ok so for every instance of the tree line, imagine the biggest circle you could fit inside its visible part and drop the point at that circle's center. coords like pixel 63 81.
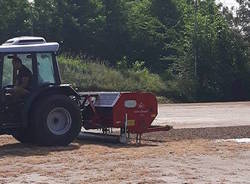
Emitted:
pixel 201 50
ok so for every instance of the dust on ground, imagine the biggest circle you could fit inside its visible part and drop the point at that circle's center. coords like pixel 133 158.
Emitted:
pixel 178 156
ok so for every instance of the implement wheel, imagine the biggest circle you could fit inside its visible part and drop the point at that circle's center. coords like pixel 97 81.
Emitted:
pixel 57 120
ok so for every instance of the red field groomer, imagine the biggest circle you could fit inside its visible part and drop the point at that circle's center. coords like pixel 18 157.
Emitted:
pixel 132 112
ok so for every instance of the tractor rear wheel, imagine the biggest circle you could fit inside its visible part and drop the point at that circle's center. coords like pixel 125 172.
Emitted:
pixel 57 121
pixel 23 135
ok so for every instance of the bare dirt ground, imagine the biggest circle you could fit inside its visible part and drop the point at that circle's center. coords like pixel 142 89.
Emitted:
pixel 199 115
pixel 191 153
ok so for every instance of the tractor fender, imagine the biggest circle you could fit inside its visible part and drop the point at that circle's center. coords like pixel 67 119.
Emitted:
pixel 51 89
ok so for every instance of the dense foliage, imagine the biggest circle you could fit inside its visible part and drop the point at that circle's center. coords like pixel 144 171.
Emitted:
pixel 89 75
pixel 200 51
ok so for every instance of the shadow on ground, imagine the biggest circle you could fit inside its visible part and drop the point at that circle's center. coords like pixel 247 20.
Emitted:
pixel 200 133
pixel 108 140
pixel 172 135
pixel 148 140
pixel 25 150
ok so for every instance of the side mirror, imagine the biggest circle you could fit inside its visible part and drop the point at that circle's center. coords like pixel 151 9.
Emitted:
pixel 61 45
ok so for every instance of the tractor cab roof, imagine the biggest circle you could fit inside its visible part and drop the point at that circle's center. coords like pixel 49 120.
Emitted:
pixel 28 44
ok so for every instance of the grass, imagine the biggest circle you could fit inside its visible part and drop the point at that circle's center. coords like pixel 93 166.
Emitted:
pixel 89 75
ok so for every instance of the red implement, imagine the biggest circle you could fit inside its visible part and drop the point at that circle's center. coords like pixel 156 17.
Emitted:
pixel 132 111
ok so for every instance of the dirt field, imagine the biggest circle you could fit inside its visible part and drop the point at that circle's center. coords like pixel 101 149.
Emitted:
pixel 204 114
pixel 194 152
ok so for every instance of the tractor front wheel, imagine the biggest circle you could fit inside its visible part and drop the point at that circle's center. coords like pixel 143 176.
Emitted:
pixel 57 121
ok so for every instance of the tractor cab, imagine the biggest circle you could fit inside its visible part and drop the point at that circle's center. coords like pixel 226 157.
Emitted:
pixel 36 55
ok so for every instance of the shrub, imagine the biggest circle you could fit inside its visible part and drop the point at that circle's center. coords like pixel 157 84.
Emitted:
pixel 89 75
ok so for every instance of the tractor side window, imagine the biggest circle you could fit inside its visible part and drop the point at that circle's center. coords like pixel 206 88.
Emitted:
pixel 9 75
pixel 7 71
pixel 45 68
pixel 26 60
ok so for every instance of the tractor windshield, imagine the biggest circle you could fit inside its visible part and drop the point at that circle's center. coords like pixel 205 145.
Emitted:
pixel 45 68
pixel 9 73
pixel 40 65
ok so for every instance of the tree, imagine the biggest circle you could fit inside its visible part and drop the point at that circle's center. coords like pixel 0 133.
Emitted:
pixel 168 37
pixel 15 18
pixel 85 20
pixel 221 60
pixel 46 19
pixel 115 31
pixel 242 19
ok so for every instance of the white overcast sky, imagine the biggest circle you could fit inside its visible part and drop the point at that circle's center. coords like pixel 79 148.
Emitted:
pixel 228 3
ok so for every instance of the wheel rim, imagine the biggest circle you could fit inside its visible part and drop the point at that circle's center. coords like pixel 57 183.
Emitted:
pixel 59 121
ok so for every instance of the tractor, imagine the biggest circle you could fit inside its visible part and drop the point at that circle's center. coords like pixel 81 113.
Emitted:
pixel 52 113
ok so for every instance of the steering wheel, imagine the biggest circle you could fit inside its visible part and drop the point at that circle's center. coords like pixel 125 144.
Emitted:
pixel 5 92
pixel 8 87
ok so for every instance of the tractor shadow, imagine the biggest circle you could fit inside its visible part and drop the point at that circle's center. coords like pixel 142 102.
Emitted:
pixel 13 148
pixel 26 150
pixel 112 141
pixel 148 140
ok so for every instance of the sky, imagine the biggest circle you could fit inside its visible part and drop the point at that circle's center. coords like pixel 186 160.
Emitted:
pixel 228 3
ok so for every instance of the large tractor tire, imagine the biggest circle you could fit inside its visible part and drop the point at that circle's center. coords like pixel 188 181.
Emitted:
pixel 24 136
pixel 57 121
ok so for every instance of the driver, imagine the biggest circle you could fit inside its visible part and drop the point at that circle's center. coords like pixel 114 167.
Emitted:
pixel 22 77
